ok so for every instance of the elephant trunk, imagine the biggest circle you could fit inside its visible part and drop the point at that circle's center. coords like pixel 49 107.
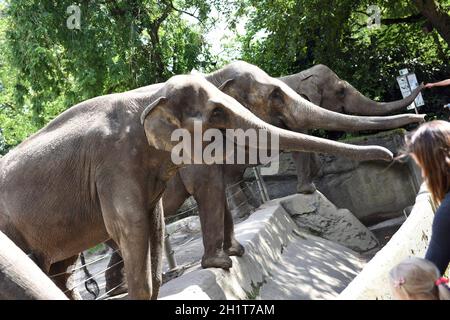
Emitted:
pixel 293 141
pixel 367 107
pixel 310 116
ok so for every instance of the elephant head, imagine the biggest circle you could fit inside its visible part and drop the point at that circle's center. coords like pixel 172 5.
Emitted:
pixel 275 102
pixel 185 99
pixel 323 87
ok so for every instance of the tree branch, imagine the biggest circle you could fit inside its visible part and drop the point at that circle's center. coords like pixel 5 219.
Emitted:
pixel 411 19
pixel 389 21
pixel 185 12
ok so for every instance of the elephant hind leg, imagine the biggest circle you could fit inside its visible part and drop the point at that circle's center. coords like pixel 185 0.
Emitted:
pixel 115 275
pixel 307 165
pixel 211 214
pixel 157 233
pixel 60 276
pixel 231 246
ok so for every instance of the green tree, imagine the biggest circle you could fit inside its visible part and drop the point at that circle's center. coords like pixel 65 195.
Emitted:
pixel 284 37
pixel 47 67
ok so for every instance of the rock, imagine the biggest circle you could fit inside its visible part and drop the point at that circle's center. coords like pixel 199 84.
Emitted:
pixel 21 278
pixel 280 262
pixel 316 214
pixel 372 190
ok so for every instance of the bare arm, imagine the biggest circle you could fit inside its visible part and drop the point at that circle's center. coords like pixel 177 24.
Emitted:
pixel 442 83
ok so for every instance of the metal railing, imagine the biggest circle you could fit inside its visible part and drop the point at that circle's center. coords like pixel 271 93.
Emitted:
pixel 169 252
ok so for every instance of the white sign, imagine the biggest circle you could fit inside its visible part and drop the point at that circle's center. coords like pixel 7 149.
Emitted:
pixel 407 83
pixel 413 84
pixel 404 72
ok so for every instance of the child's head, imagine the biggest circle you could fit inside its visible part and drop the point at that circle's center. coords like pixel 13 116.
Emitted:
pixel 418 279
pixel 430 147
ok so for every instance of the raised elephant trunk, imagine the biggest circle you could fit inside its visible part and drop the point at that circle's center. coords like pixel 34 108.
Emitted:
pixel 367 107
pixel 292 141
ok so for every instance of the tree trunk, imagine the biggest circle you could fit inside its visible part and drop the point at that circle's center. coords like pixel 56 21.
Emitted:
pixel 438 18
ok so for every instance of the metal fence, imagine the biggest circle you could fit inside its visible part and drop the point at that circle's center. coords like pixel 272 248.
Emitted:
pixel 91 286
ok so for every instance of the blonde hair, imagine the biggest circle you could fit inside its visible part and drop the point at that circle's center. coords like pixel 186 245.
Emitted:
pixel 430 144
pixel 415 276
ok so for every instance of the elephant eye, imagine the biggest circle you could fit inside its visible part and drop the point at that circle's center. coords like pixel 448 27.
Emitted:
pixel 341 92
pixel 277 95
pixel 217 114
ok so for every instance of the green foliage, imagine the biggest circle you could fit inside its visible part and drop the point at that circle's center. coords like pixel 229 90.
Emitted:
pixel 285 37
pixel 121 45
pixel 46 67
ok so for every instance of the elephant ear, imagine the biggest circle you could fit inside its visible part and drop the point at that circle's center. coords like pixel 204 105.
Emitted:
pixel 159 122
pixel 150 107
pixel 225 85
pixel 309 88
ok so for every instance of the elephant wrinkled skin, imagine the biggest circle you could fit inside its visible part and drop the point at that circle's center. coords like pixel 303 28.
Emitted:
pixel 320 85
pixel 276 103
pixel 99 169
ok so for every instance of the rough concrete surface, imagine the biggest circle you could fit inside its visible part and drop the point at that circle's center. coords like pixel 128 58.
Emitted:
pixel 320 217
pixel 282 261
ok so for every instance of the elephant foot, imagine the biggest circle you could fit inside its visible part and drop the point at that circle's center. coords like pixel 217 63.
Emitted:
pixel 236 249
pixel 306 188
pixel 219 261
pixel 74 295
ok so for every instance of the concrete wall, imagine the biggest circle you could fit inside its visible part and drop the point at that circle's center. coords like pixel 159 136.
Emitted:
pixel 410 240
pixel 372 190
pixel 282 259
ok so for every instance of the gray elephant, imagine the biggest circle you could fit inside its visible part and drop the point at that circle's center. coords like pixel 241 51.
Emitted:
pixel 324 88
pixel 273 101
pixel 98 171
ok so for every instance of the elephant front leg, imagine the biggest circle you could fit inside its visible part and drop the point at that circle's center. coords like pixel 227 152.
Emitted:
pixel 231 246
pixel 63 278
pixel 128 223
pixel 211 202
pixel 307 168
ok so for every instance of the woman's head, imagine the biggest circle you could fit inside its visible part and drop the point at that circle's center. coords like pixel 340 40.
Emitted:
pixel 430 147
pixel 417 279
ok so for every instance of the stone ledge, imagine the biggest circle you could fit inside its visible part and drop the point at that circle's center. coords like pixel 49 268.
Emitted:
pixel 410 240
pixel 263 235
pixel 278 254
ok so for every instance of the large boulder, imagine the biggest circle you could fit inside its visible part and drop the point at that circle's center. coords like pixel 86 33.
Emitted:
pixel 372 190
pixel 283 259
pixel 316 214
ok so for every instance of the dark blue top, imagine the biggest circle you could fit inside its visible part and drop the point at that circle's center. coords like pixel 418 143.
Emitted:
pixel 439 250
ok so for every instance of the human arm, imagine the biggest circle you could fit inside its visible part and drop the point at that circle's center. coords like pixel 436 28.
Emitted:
pixel 442 83
pixel 439 248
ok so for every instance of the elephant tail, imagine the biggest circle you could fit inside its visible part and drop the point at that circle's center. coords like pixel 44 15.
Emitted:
pixel 90 284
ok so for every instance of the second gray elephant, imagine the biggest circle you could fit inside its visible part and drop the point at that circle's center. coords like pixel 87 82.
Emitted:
pixel 274 102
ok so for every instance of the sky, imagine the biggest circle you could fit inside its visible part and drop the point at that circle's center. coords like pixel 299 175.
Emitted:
pixel 219 35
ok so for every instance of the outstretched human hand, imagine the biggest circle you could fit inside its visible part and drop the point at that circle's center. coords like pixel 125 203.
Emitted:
pixel 442 83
